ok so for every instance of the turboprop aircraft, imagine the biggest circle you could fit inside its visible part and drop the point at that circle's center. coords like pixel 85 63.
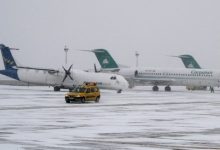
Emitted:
pixel 156 76
pixel 66 78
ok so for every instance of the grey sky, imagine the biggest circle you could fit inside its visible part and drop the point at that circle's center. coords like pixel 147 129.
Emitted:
pixel 155 28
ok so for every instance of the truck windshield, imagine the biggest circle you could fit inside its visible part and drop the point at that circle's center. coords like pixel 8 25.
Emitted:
pixel 79 89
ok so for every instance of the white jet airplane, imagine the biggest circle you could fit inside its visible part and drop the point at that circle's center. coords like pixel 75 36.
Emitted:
pixel 65 78
pixel 157 76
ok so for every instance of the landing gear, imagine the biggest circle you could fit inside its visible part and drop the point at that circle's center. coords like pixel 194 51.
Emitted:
pixel 155 88
pixel 56 88
pixel 167 88
pixel 119 91
pixel 97 99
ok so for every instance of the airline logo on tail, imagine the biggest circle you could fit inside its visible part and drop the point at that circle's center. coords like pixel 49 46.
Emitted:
pixel 189 61
pixel 105 61
pixel 8 61
pixel 7 57
pixel 190 65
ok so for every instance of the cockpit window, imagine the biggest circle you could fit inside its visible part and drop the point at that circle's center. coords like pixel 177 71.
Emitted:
pixel 94 89
pixel 113 78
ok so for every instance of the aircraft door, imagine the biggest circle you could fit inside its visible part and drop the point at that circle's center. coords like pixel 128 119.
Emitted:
pixel 135 73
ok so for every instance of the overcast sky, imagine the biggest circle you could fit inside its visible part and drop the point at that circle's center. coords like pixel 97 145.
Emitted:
pixel 154 28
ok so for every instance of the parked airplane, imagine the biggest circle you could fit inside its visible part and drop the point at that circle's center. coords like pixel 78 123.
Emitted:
pixel 156 77
pixel 65 78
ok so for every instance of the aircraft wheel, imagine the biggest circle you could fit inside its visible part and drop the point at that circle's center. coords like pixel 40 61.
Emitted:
pixel 155 88
pixel 83 100
pixel 56 88
pixel 167 88
pixel 119 91
pixel 67 100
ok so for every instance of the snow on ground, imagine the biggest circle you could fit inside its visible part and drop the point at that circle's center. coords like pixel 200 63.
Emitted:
pixel 38 118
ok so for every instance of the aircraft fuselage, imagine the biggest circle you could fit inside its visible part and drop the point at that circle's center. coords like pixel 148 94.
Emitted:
pixel 176 77
pixel 41 77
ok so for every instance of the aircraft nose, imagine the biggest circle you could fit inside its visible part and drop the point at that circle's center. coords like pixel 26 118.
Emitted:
pixel 124 83
pixel 120 83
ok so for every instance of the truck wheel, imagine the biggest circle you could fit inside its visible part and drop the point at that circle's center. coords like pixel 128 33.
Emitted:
pixel 83 100
pixel 97 99
pixel 155 88
pixel 67 100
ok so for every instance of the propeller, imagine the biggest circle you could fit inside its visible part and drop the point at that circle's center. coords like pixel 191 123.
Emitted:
pixel 67 73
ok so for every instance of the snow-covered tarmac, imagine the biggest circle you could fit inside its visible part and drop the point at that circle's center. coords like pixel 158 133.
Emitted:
pixel 38 118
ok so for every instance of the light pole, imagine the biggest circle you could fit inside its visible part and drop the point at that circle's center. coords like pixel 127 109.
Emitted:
pixel 66 50
pixel 137 55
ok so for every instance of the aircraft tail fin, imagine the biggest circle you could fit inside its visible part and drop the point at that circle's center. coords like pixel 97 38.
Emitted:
pixel 105 59
pixel 7 57
pixel 189 61
pixel 9 63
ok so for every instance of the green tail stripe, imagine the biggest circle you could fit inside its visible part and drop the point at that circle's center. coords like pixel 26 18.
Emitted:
pixel 105 59
pixel 189 61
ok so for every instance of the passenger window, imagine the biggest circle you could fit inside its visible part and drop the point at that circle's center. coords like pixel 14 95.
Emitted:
pixel 96 90
pixel 88 90
pixel 92 89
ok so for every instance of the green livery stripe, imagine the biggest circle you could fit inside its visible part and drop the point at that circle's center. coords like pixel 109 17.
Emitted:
pixel 189 61
pixel 105 59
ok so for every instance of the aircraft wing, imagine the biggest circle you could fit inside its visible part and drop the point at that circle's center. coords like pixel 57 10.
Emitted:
pixel 122 66
pixel 52 71
pixel 110 70
pixel 153 81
